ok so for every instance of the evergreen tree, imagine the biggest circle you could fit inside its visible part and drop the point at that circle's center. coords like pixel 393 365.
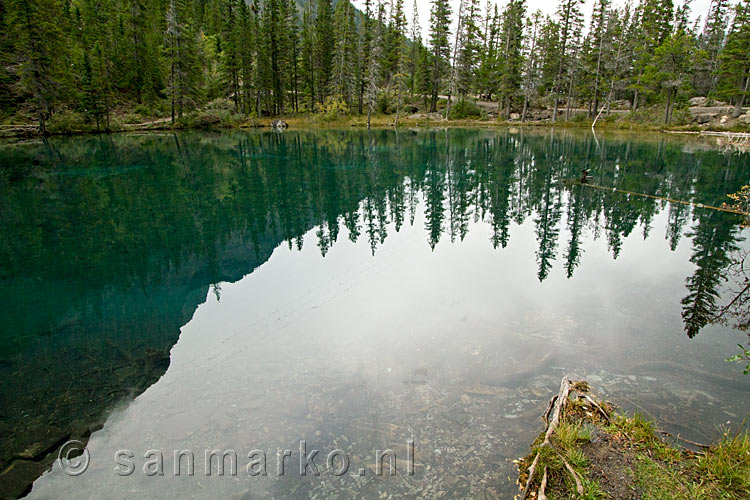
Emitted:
pixel 373 71
pixel 414 49
pixel 439 45
pixel 307 49
pixel 532 66
pixel 344 63
pixel 38 43
pixel 710 43
pixel 398 46
pixel 142 73
pixel 470 49
pixel 324 45
pixel 246 40
pixel 734 62
pixel 570 19
pixel 511 53
pixel 667 73
pixel 596 54
pixel 184 83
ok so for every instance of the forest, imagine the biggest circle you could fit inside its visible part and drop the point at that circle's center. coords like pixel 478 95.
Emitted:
pixel 104 62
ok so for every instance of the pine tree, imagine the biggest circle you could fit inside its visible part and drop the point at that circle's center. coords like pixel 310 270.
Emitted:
pixel 710 43
pixel 439 45
pixel 470 49
pixel 184 83
pixel 142 71
pixel 247 36
pixel 667 73
pixel 398 33
pixel 595 56
pixel 38 43
pixel 653 23
pixel 570 16
pixel 308 66
pixel 373 71
pixel 734 62
pixel 532 66
pixel 416 42
pixel 231 63
pixel 511 37
pixel 487 74
pixel 324 45
pixel 364 43
pixel 344 63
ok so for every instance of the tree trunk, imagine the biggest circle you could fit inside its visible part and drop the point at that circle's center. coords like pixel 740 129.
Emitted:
pixel 525 107
pixel 398 108
pixel 554 112
pixel 740 99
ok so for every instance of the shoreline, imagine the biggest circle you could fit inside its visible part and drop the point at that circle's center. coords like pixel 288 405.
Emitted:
pixel 590 450
pixel 19 134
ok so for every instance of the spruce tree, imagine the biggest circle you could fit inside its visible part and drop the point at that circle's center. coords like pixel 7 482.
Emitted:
pixel 734 62
pixel 38 44
pixel 570 19
pixel 416 43
pixel 184 82
pixel 439 46
pixel 373 71
pixel 324 46
pixel 511 53
pixel 342 82
pixel 710 43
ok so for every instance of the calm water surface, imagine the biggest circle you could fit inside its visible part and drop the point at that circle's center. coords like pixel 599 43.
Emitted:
pixel 355 290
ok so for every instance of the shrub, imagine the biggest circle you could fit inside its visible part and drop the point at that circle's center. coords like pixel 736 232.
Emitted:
pixel 331 109
pixel 67 121
pixel 132 118
pixel 385 103
pixel 465 109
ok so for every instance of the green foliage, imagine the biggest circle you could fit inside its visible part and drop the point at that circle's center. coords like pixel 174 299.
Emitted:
pixel 66 122
pixel 728 464
pixel 100 57
pixel 332 108
pixel 464 109
pixel 742 357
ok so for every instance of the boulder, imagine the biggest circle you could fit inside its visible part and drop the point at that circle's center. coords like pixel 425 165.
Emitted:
pixel 620 104
pixel 279 125
pixel 745 119
pixel 515 116
pixel 698 101
pixel 704 118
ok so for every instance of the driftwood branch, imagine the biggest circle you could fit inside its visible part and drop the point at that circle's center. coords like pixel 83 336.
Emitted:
pixel 699 445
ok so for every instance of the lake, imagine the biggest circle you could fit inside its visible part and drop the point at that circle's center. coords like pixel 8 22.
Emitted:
pixel 409 298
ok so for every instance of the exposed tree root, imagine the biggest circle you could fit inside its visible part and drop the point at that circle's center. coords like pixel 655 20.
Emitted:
pixel 579 485
pixel 556 407
pixel 541 495
pixel 532 469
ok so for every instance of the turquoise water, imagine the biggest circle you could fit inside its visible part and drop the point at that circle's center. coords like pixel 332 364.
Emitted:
pixel 356 290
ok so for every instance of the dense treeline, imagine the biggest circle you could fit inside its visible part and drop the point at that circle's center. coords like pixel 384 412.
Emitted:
pixel 273 57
